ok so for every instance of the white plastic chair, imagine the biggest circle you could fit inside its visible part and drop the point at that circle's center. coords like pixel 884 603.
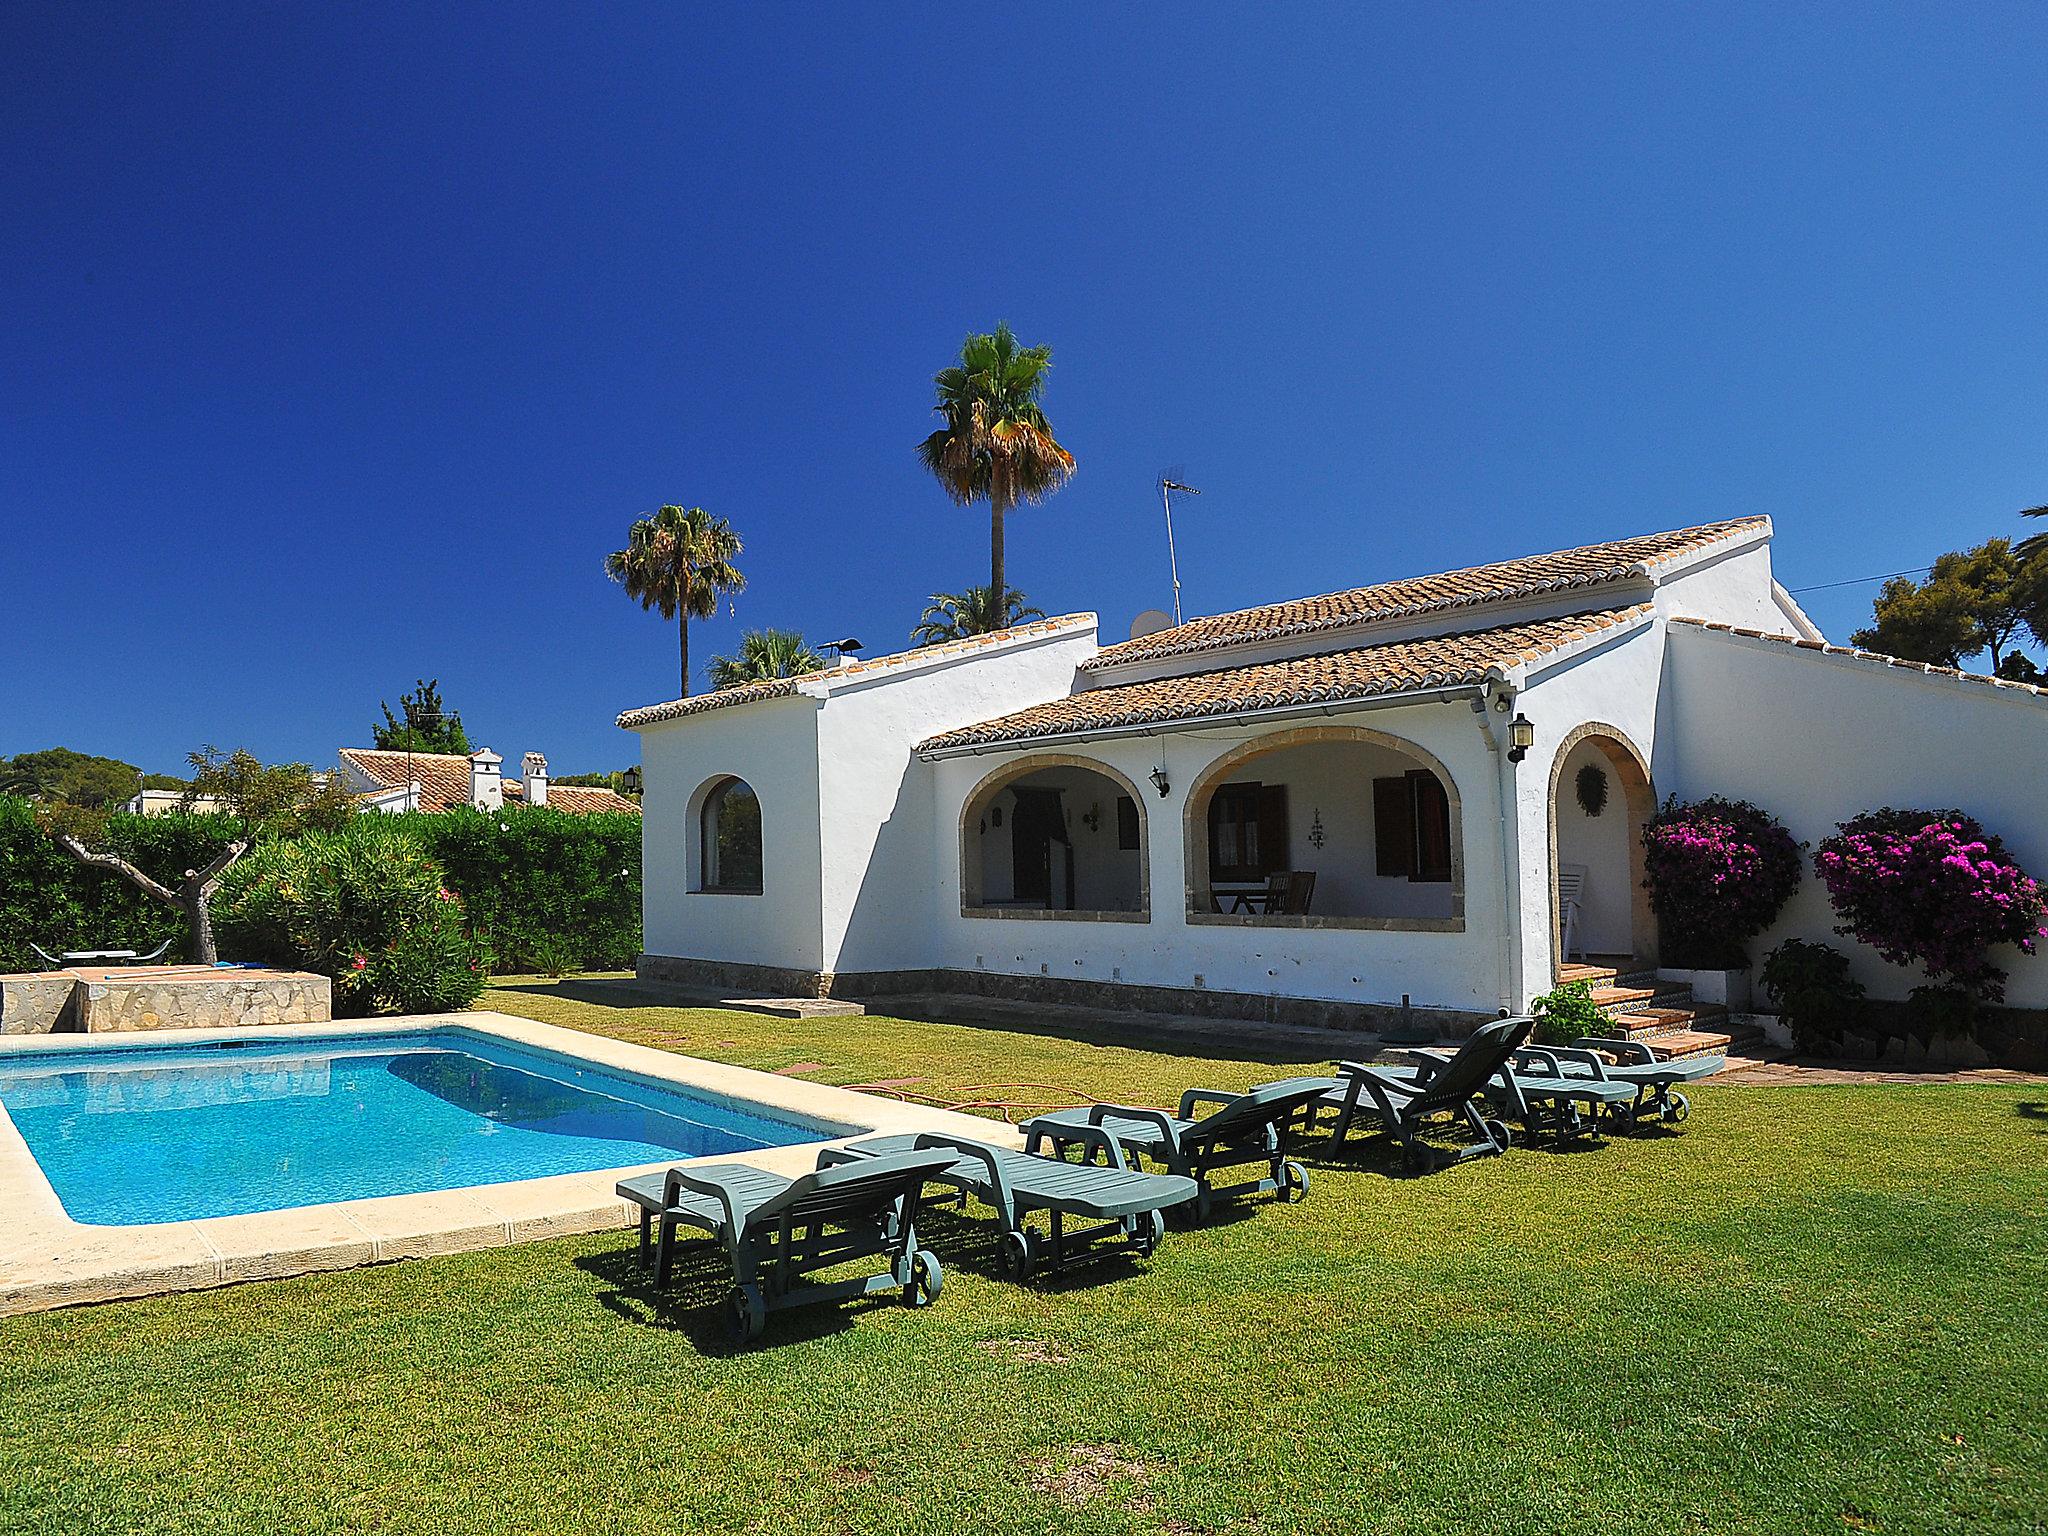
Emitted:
pixel 1571 889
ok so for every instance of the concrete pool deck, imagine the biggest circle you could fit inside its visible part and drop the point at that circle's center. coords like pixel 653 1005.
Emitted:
pixel 47 1260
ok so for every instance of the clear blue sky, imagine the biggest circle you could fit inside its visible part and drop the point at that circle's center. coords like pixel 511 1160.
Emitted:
pixel 339 343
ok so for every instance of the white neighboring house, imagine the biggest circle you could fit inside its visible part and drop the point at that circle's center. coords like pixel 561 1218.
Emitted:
pixel 439 781
pixel 1039 816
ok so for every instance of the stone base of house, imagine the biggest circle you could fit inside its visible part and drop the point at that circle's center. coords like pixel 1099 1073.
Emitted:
pixel 93 1000
pixel 1058 992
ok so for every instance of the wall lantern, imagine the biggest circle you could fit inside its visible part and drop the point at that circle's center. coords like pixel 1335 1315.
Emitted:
pixel 1160 782
pixel 630 780
pixel 1521 737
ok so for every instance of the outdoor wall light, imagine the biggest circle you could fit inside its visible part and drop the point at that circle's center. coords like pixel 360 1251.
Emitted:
pixel 630 779
pixel 1160 782
pixel 1521 737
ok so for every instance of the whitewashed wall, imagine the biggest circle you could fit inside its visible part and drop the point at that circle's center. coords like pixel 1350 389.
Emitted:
pixel 773 745
pixel 1601 844
pixel 1815 739
pixel 877 795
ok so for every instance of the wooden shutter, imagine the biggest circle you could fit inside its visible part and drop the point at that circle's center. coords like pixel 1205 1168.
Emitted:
pixel 1432 826
pixel 1272 814
pixel 1126 822
pixel 1393 827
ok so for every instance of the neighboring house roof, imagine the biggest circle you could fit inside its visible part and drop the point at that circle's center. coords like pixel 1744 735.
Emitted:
pixel 1875 658
pixel 1590 566
pixel 444 782
pixel 784 687
pixel 1402 666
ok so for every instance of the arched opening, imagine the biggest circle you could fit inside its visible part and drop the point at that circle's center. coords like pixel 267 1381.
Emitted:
pixel 729 838
pixel 1327 826
pixel 1600 800
pixel 1055 836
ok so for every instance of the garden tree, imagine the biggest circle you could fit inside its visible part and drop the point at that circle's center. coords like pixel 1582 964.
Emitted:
pixel 273 802
pixel 1972 601
pixel 996 445
pixel 75 778
pixel 679 562
pixel 956 615
pixel 765 654
pixel 614 781
pixel 427 726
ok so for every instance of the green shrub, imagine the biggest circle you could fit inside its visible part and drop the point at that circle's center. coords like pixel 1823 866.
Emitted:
pixel 1817 998
pixel 366 907
pixel 1567 1014
pixel 548 890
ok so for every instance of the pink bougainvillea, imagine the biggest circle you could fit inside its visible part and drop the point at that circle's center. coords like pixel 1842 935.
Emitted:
pixel 1719 872
pixel 1933 889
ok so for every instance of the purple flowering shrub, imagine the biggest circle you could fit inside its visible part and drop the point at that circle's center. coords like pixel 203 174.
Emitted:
pixel 1933 889
pixel 1719 871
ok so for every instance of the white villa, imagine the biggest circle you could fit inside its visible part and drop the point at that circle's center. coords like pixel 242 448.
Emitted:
pixel 1310 810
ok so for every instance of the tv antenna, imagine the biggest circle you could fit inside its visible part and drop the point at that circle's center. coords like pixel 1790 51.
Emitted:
pixel 1169 482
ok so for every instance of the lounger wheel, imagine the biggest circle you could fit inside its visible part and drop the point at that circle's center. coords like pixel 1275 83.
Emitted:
pixel 925 1279
pixel 1290 1181
pixel 746 1310
pixel 1501 1134
pixel 1679 1107
pixel 1148 1231
pixel 1018 1255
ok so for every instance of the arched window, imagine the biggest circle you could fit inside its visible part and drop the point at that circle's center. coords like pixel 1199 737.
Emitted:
pixel 1054 836
pixel 730 837
pixel 1330 826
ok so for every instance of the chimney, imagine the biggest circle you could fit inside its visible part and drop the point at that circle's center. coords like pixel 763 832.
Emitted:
pixel 486 789
pixel 533 772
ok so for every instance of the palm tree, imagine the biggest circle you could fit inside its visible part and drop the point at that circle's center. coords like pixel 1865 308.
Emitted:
pixel 996 445
pixel 956 615
pixel 2033 544
pixel 679 561
pixel 765 654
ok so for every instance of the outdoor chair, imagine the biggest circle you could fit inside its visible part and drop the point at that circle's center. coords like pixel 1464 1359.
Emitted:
pixel 1125 1206
pixel 1571 892
pixel 1287 890
pixel 1634 1064
pixel 1240 1129
pixel 100 956
pixel 1533 1091
pixel 1405 1102
pixel 776 1230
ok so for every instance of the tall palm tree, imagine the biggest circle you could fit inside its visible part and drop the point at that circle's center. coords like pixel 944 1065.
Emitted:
pixel 956 615
pixel 679 561
pixel 2036 543
pixel 765 654
pixel 996 445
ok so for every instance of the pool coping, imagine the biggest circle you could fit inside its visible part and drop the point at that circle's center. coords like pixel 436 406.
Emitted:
pixel 47 1260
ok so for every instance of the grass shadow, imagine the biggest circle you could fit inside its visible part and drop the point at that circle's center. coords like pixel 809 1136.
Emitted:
pixel 694 1302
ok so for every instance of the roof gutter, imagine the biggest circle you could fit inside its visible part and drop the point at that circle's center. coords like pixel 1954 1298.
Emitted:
pixel 1195 722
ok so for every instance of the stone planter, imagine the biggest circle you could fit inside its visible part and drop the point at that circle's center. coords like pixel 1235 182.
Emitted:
pixel 1728 988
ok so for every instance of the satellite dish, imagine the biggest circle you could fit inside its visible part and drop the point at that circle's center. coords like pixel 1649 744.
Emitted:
pixel 1150 622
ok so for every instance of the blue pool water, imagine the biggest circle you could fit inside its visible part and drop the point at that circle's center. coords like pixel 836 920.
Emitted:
pixel 173 1133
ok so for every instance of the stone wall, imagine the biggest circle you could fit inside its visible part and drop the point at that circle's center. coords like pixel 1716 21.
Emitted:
pixel 159 997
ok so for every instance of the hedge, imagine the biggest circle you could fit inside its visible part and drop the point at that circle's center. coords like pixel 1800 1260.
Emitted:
pixel 544 889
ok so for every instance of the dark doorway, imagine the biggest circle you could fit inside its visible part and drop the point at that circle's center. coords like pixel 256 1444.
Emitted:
pixel 1037 823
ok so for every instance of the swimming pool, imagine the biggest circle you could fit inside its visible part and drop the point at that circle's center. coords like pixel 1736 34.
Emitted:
pixel 179 1132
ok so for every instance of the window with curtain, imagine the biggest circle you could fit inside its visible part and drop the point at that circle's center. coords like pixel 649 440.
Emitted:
pixel 732 839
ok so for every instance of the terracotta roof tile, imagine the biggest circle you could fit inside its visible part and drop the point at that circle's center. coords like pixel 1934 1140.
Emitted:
pixel 783 687
pixel 1592 565
pixel 444 782
pixel 1404 666
pixel 1876 657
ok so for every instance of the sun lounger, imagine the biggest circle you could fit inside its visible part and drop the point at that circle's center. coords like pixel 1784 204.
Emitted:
pixel 1632 1062
pixel 1406 1101
pixel 775 1230
pixel 1124 1204
pixel 1532 1090
pixel 1239 1129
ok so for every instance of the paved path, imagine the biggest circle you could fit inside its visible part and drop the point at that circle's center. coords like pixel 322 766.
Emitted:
pixel 1773 1071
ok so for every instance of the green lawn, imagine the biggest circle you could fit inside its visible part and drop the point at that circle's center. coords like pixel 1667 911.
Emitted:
pixel 1817 1309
